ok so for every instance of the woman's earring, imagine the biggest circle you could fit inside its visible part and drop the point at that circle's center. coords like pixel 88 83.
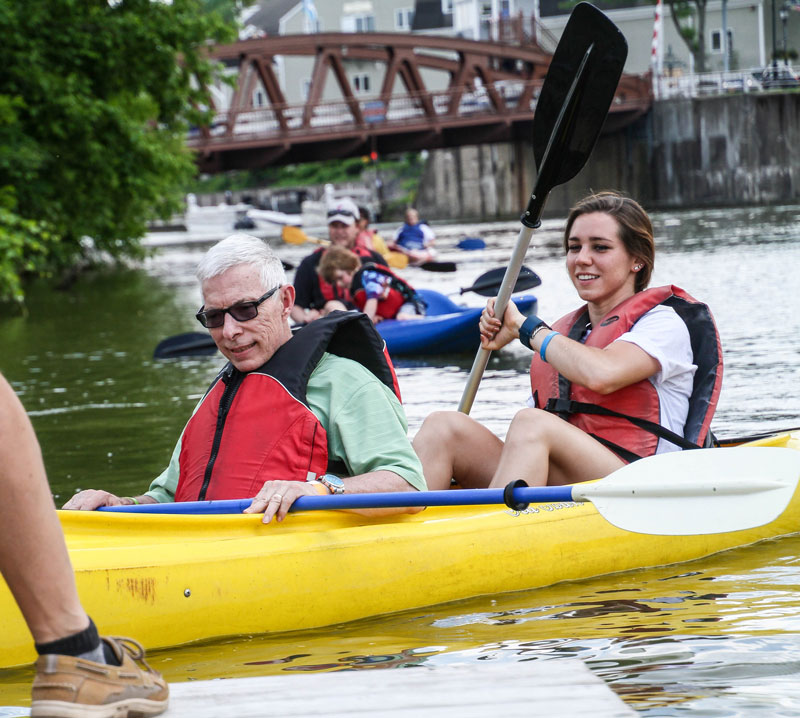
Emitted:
pixel 637 267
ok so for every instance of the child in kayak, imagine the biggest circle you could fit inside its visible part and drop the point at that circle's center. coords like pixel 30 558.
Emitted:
pixel 376 290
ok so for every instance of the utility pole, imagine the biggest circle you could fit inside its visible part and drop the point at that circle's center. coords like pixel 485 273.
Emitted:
pixel 784 18
pixel 726 48
pixel 774 47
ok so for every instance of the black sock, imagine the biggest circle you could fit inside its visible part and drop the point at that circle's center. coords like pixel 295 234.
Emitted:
pixel 84 644
pixel 85 641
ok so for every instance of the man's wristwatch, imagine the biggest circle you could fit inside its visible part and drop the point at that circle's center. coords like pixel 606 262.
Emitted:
pixel 529 327
pixel 331 482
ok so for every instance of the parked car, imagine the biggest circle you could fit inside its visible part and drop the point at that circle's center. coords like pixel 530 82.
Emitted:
pixel 778 76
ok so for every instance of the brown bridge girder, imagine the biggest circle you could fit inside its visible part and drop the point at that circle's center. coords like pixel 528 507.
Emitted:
pixel 490 97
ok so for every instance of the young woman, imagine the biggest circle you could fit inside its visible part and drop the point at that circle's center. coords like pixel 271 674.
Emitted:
pixel 631 373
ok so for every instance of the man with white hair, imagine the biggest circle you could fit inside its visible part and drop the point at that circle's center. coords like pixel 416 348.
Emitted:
pixel 315 412
pixel 315 297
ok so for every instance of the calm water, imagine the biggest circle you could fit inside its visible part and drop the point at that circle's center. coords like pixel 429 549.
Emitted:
pixel 715 638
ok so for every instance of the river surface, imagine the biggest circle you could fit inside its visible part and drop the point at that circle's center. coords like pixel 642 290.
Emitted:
pixel 717 637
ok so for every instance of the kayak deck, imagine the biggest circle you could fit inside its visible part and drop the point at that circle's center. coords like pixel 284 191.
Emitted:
pixel 172 579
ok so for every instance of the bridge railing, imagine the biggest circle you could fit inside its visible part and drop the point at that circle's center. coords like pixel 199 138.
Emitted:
pixel 437 107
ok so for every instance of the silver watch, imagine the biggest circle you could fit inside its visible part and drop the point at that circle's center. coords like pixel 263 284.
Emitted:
pixel 331 482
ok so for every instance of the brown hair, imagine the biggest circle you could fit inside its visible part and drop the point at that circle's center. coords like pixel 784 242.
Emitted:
pixel 335 258
pixel 635 228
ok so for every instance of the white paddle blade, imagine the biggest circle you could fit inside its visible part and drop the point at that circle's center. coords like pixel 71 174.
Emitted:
pixel 703 491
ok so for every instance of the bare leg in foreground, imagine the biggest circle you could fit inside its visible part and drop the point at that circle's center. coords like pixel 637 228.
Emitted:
pixel 33 556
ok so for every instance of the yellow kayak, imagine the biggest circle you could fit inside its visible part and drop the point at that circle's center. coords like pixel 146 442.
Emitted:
pixel 172 579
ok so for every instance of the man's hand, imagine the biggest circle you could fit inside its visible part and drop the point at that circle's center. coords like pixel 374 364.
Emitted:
pixel 90 499
pixel 276 497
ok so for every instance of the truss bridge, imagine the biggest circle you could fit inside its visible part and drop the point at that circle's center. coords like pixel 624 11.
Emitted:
pixel 433 92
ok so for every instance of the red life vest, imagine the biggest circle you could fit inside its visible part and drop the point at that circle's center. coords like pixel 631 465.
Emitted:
pixel 334 291
pixel 399 293
pixel 626 421
pixel 255 426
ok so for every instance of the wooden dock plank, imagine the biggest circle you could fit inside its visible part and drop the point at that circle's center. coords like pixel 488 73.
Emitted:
pixel 563 687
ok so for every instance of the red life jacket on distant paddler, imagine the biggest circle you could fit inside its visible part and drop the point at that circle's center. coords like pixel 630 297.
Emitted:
pixel 626 421
pixel 255 426
pixel 400 292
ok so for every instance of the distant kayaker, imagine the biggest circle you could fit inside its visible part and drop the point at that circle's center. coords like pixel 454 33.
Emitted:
pixel 78 672
pixel 633 372
pixel 376 290
pixel 314 412
pixel 315 297
pixel 414 239
pixel 365 239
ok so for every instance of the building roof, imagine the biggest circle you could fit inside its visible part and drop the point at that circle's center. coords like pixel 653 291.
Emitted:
pixel 270 13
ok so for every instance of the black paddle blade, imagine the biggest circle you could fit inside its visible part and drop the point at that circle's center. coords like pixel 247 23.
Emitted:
pixel 191 344
pixel 574 101
pixel 438 266
pixel 488 284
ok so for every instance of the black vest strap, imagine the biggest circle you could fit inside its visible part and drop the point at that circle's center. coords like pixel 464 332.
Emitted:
pixel 346 334
pixel 576 332
pixel 567 407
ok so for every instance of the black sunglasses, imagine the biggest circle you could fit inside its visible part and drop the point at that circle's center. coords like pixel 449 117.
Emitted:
pixel 241 311
pixel 345 212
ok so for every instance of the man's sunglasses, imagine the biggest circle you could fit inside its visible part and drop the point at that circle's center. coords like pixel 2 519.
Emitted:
pixel 241 311
pixel 344 212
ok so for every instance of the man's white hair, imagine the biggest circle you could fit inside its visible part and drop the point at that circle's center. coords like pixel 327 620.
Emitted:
pixel 239 249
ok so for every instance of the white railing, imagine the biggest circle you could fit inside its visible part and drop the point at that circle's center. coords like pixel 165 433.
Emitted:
pixel 724 83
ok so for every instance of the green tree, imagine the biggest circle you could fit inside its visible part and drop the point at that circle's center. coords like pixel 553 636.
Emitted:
pixel 96 97
pixel 689 18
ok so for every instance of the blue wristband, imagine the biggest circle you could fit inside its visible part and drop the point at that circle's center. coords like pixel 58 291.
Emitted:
pixel 527 329
pixel 543 348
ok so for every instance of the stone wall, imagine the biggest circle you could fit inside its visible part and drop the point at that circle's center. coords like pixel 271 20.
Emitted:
pixel 689 152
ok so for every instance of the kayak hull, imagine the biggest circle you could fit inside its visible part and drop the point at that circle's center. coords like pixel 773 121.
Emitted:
pixel 172 579
pixel 446 328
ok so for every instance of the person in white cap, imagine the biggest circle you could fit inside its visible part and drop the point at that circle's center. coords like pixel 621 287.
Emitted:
pixel 314 297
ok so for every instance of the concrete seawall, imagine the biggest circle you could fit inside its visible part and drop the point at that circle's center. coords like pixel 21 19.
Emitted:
pixel 728 150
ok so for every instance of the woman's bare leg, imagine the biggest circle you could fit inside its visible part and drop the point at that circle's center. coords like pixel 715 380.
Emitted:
pixel 541 448
pixel 452 445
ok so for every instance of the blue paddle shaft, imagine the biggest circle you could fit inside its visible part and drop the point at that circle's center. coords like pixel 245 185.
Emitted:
pixel 460 497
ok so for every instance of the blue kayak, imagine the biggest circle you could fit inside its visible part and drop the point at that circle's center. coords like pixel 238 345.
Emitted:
pixel 446 328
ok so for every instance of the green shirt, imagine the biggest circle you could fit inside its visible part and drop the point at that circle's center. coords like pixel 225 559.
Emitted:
pixel 365 423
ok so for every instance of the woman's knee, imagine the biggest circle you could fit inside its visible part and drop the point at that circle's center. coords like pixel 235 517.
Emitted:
pixel 529 421
pixel 442 425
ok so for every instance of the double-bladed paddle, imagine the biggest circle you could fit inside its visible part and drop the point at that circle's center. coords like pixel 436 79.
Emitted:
pixel 570 112
pixel 680 493
pixel 198 344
